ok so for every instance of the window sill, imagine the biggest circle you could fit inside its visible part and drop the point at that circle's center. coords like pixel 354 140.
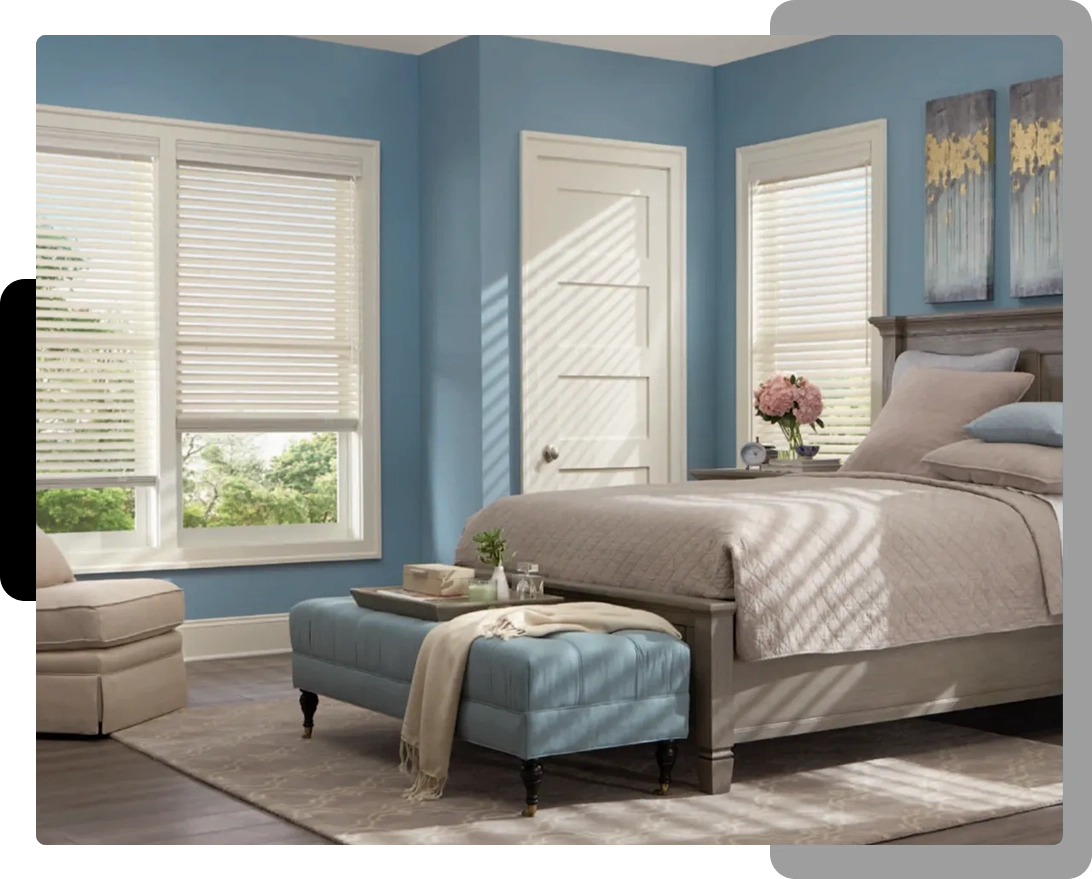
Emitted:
pixel 124 561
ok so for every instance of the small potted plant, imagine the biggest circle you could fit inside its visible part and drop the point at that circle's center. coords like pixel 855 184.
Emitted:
pixel 492 550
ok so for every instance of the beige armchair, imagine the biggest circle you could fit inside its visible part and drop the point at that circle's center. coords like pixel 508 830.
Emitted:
pixel 109 651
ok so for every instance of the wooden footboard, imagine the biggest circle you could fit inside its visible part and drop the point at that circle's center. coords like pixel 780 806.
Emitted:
pixel 708 626
pixel 731 699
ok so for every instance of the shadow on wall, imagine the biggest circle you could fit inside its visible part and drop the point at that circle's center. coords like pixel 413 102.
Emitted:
pixel 499 396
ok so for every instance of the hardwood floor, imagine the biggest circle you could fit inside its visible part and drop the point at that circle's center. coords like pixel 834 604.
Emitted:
pixel 97 791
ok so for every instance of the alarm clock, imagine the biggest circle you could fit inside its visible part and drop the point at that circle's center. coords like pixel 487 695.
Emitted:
pixel 755 454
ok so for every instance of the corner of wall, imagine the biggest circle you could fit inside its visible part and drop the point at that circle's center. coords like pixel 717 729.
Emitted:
pixel 450 293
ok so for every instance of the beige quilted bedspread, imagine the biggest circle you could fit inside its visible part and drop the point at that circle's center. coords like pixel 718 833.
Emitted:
pixel 817 564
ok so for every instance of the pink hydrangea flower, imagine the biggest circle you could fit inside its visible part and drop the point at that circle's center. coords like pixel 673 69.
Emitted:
pixel 808 401
pixel 775 396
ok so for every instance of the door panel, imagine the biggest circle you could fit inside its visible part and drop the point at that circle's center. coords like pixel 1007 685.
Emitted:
pixel 596 312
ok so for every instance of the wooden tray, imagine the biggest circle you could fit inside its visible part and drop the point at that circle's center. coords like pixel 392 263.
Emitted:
pixel 394 599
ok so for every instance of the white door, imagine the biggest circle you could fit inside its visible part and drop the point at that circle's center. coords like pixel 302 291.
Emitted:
pixel 603 313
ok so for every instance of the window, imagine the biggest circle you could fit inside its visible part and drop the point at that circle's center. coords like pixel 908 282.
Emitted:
pixel 810 272
pixel 207 343
pixel 96 346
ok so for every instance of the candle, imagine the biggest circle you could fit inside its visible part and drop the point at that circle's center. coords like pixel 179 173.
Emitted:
pixel 481 590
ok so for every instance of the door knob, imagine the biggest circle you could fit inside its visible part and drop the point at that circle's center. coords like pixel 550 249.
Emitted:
pixel 550 453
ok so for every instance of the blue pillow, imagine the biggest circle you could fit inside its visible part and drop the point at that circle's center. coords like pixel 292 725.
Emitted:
pixel 1037 423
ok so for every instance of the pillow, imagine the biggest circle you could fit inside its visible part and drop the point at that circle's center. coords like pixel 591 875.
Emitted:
pixel 1025 466
pixel 1001 360
pixel 50 568
pixel 1037 423
pixel 928 410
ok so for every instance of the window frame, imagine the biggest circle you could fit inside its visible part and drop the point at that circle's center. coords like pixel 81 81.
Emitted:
pixel 210 539
pixel 802 155
pixel 77 544
pixel 358 533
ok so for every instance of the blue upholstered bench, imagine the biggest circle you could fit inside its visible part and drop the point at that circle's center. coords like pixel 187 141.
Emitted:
pixel 528 697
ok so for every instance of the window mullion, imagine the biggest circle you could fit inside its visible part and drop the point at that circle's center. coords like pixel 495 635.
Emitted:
pixel 169 494
pixel 347 443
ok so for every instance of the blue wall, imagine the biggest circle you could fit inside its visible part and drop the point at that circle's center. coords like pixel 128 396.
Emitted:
pixel 295 85
pixel 842 80
pixel 472 416
pixel 535 86
pixel 449 123
pixel 451 283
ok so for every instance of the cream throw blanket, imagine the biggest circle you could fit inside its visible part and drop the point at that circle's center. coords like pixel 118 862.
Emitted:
pixel 428 728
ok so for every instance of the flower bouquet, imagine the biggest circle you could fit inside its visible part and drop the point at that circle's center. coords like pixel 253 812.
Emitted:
pixel 790 402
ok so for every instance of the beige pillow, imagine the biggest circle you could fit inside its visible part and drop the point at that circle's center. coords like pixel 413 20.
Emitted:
pixel 50 568
pixel 1010 465
pixel 927 410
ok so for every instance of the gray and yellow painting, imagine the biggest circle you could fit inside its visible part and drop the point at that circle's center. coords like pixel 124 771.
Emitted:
pixel 959 194
pixel 1035 199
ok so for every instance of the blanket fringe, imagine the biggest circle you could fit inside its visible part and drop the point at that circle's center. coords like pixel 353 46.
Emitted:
pixel 504 629
pixel 424 787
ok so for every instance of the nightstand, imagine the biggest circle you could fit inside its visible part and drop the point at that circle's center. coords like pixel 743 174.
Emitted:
pixel 735 473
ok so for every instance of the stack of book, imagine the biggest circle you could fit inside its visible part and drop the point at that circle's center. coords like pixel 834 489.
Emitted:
pixel 804 465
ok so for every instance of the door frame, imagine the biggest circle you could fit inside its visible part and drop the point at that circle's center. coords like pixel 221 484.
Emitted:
pixel 671 159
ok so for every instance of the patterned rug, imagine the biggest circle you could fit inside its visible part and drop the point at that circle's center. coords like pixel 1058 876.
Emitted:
pixel 862 785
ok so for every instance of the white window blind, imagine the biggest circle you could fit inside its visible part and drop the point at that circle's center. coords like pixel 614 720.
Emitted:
pixel 95 321
pixel 269 312
pixel 811 296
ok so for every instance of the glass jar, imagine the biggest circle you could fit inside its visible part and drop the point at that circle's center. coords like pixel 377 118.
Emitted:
pixel 481 591
pixel 530 587
pixel 528 582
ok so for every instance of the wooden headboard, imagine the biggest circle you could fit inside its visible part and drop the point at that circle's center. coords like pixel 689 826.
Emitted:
pixel 1037 332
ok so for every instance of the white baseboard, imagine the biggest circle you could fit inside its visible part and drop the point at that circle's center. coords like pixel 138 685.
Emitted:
pixel 229 637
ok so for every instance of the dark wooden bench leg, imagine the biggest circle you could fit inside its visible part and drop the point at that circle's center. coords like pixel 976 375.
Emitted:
pixel 666 752
pixel 308 704
pixel 531 774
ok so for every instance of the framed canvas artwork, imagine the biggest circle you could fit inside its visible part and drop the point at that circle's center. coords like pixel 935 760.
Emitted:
pixel 1035 197
pixel 959 197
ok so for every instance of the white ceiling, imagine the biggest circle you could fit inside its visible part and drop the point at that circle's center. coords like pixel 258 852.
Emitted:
pixel 698 50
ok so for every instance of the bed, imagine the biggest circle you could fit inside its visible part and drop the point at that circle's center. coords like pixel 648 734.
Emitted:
pixel 842 668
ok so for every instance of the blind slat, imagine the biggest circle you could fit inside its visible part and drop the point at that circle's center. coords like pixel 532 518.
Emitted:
pixel 810 252
pixel 268 329
pixel 96 321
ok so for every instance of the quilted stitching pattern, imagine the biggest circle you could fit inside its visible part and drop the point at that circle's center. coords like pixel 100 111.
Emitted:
pixel 817 564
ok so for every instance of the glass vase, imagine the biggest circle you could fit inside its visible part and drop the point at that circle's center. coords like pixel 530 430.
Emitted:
pixel 793 437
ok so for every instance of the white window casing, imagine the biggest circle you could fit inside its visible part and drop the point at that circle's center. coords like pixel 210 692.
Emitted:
pixel 810 271
pixel 241 295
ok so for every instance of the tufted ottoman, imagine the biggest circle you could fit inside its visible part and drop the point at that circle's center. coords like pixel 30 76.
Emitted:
pixel 528 697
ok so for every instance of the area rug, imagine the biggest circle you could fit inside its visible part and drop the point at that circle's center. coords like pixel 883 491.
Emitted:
pixel 862 785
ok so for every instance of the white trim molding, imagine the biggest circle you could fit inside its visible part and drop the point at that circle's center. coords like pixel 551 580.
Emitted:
pixel 671 159
pixel 107 557
pixel 234 637
pixel 818 152
pixel 132 125
pixel 159 541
